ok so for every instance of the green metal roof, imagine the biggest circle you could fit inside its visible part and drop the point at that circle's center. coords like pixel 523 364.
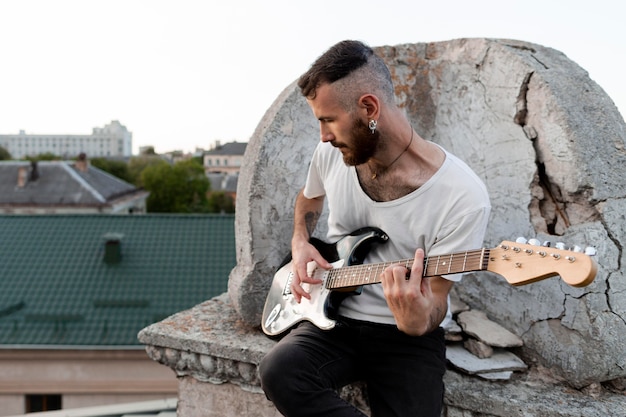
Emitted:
pixel 61 284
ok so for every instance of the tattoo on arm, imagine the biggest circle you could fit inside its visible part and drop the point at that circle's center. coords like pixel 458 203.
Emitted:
pixel 310 219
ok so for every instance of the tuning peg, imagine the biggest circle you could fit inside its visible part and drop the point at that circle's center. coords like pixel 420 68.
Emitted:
pixel 577 248
pixel 534 242
pixel 591 251
pixel 546 244
pixel 560 245
pixel 521 240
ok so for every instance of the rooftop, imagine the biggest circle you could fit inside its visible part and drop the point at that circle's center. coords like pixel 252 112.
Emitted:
pixel 231 148
pixel 58 183
pixel 97 280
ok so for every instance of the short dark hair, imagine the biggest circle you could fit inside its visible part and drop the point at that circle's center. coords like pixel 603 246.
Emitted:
pixel 336 63
pixel 343 60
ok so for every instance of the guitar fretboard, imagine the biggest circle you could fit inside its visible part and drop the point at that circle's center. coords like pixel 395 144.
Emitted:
pixel 356 275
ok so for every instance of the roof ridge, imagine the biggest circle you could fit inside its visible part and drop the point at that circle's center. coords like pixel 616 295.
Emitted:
pixel 83 182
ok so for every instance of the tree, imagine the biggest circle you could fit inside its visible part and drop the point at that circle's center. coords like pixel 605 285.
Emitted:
pixel 220 202
pixel 116 168
pixel 4 154
pixel 181 188
pixel 138 164
pixel 46 156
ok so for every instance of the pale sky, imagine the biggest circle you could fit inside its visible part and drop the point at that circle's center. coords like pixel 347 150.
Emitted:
pixel 181 74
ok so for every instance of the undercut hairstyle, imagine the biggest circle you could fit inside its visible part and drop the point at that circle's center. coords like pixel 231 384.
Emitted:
pixel 354 70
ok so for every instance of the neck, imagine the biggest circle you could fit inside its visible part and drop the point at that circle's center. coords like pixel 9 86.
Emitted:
pixel 381 169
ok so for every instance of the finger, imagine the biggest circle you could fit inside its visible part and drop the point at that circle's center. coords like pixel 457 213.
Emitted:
pixel 400 273
pixel 418 263
pixel 394 275
pixel 322 263
pixel 311 277
pixel 297 291
pixel 301 276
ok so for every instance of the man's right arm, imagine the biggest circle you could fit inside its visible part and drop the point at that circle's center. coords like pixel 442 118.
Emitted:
pixel 307 213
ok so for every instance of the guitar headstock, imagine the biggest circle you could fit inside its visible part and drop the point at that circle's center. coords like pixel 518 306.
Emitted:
pixel 522 263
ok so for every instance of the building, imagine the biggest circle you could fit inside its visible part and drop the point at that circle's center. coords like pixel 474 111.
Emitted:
pixel 222 165
pixel 76 289
pixel 112 140
pixel 56 187
pixel 225 159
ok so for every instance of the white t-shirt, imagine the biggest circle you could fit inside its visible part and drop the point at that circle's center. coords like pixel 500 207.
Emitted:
pixel 447 214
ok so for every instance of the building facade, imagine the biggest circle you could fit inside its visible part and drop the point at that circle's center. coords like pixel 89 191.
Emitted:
pixel 112 140
pixel 225 159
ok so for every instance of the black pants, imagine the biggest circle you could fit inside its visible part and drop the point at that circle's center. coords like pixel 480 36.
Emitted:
pixel 404 374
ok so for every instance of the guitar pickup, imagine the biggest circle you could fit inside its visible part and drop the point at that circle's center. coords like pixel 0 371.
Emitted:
pixel 287 288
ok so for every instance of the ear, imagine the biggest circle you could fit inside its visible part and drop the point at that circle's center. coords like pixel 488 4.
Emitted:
pixel 369 105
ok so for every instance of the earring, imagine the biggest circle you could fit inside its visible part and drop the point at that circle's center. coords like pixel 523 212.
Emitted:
pixel 372 125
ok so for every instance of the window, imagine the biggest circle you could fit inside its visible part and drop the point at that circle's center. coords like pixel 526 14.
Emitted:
pixel 43 402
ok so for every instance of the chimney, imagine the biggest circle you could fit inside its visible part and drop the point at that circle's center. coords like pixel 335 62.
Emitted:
pixel 82 163
pixel 22 176
pixel 113 248
pixel 34 172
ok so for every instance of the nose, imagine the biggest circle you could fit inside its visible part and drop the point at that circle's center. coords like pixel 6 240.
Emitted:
pixel 325 134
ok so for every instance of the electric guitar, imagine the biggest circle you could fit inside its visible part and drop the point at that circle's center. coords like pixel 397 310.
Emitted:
pixel 518 263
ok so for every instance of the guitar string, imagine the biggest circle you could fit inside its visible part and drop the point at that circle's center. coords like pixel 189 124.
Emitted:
pixel 453 263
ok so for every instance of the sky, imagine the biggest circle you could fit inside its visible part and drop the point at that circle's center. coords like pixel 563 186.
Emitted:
pixel 181 74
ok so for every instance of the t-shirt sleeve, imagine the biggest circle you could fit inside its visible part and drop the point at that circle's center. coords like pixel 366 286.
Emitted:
pixel 314 186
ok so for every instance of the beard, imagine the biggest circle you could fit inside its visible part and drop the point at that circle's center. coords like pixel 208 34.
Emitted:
pixel 364 145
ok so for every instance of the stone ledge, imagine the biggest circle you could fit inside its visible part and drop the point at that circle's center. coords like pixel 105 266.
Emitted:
pixel 211 345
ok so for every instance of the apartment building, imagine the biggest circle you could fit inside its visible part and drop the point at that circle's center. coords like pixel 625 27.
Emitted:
pixel 112 140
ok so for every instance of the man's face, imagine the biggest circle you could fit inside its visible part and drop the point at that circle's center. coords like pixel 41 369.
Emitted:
pixel 342 129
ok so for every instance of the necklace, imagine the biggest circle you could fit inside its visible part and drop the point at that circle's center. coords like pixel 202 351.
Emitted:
pixel 375 173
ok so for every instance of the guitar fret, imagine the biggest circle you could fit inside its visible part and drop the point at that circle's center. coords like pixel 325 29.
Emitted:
pixel 464 260
pixel 356 275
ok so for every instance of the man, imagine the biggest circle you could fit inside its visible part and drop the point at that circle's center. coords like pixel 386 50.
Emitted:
pixel 381 174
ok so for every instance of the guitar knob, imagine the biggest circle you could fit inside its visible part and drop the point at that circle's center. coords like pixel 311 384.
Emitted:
pixel 521 240
pixel 560 245
pixel 534 242
pixel 591 251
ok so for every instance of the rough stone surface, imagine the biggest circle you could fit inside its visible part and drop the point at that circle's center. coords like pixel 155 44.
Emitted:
pixel 500 361
pixel 478 348
pixel 476 323
pixel 551 148
pixel 274 169
pixel 220 400
pixel 526 397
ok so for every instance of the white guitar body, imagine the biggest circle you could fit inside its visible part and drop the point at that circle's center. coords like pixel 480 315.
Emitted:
pixel 285 312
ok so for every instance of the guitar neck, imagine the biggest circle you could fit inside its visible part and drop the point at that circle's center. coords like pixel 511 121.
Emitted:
pixel 356 275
